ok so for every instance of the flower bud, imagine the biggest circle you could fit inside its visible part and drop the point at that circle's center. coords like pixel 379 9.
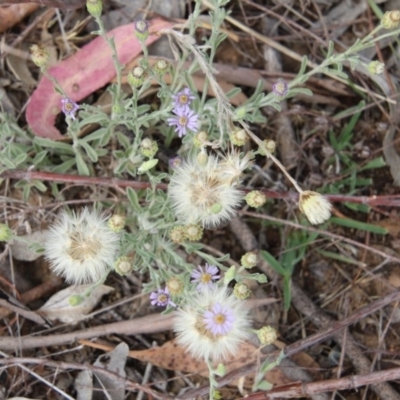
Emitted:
pixel 194 232
pixel 239 137
pixel 239 113
pixel 75 300
pixel 160 67
pixel 118 109
pixel 249 260
pixel 175 162
pixel 202 158
pixel 116 222
pixel 241 291
pixel 5 233
pixel 376 67
pixel 200 139
pixel 315 207
pixel 94 7
pixel 269 144
pixel 215 208
pixel 230 275
pixel 178 234
pixel 280 88
pixel 123 265
pixel 148 147
pixel 175 286
pixel 40 55
pixel 267 335
pixel 141 30
pixel 255 198
pixel 136 76
pixel 391 19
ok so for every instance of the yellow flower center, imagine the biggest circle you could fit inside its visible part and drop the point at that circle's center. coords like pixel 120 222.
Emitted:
pixel 162 298
pixel 182 121
pixel 69 106
pixel 219 319
pixel 183 99
pixel 205 278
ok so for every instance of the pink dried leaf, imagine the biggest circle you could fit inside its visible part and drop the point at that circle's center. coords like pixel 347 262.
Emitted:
pixel 89 69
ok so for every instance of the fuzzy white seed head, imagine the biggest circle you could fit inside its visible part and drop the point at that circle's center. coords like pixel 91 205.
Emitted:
pixel 81 247
pixel 315 207
pixel 203 194
pixel 212 324
pixel 233 164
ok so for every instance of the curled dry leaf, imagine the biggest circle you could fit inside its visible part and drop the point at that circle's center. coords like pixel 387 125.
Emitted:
pixel 59 308
pixel 89 69
pixel 22 249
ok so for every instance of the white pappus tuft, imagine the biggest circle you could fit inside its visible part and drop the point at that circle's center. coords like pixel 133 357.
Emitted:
pixel 203 193
pixel 81 247
pixel 212 324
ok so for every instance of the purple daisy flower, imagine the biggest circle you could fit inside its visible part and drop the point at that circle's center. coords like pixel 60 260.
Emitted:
pixel 219 321
pixel 205 277
pixel 69 107
pixel 280 88
pixel 183 99
pixel 161 298
pixel 175 162
pixel 185 119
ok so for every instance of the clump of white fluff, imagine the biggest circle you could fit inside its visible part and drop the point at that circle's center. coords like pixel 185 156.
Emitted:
pixel 81 247
pixel 217 338
pixel 207 193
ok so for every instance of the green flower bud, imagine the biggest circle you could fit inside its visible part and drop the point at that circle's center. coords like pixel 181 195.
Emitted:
pixel 148 147
pixel 136 76
pixel 239 137
pixel 267 335
pixel 178 234
pixel 241 291
pixel 270 145
pixel 249 260
pixel 40 55
pixel 116 222
pixel 240 112
pixel 118 109
pixel 230 275
pixel 141 30
pixel 147 165
pixel 215 208
pixel 391 19
pixel 376 67
pixel 94 7
pixel 200 139
pixel 194 232
pixel 175 286
pixel 123 265
pixel 75 300
pixel 160 67
pixel 255 198
pixel 5 233
pixel 202 158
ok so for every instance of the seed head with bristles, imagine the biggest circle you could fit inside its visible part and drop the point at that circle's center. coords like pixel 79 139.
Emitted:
pixel 203 194
pixel 81 247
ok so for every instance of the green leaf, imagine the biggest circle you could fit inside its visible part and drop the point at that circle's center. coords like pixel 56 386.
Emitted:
pixel 39 157
pixel 331 47
pixel 133 199
pixel 54 144
pixel 273 262
pixel 20 158
pixel 362 226
pixel 82 166
pixel 340 257
pixel 264 385
pixel 90 151
pixel 64 167
pixel 287 294
pixel 294 91
pixel 39 185
pixel 377 162
pixel 303 66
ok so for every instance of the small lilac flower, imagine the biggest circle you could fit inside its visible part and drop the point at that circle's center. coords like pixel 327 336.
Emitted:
pixel 183 99
pixel 205 278
pixel 69 107
pixel 185 119
pixel 175 162
pixel 219 321
pixel 161 298
pixel 280 88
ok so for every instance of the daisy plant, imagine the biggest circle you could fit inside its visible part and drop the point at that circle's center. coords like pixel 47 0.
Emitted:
pixel 189 153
